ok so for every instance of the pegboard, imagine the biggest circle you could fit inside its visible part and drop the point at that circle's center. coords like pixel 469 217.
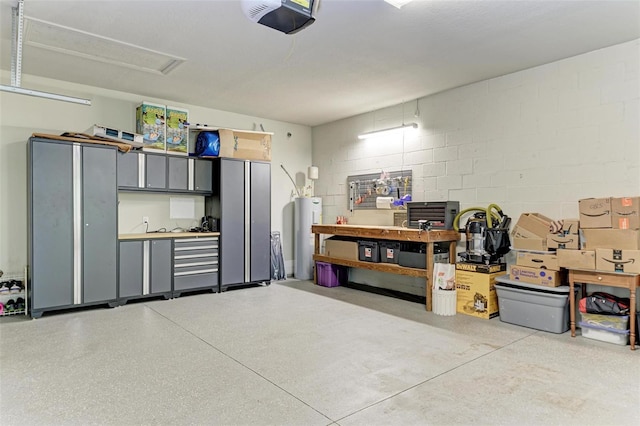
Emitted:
pixel 363 190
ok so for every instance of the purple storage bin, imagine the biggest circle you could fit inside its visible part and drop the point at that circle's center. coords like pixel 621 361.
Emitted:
pixel 330 275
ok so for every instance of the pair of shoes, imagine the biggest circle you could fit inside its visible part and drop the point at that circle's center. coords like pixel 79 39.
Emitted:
pixel 16 286
pixel 5 287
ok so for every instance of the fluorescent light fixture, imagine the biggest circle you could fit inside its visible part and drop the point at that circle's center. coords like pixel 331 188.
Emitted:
pixel 398 3
pixel 388 131
pixel 46 95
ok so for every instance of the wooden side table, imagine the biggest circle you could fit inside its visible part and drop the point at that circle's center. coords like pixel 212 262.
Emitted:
pixel 611 279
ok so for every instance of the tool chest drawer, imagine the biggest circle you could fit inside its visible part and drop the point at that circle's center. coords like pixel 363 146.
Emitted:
pixel 197 281
pixel 186 246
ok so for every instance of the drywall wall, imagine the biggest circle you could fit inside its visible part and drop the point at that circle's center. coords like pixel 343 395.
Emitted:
pixel 533 141
pixel 23 115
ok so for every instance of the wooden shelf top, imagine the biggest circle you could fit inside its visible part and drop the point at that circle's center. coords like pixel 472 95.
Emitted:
pixel 382 267
pixel 388 233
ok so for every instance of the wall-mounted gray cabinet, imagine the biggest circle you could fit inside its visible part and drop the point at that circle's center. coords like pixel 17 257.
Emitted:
pixel 242 201
pixel 145 269
pixel 72 224
pixel 140 171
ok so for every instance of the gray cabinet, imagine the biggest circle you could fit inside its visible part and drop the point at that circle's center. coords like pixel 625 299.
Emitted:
pixel 242 201
pixel 155 171
pixel 145 269
pixel 178 173
pixel 72 224
pixel 164 173
pixel 195 264
pixel 203 175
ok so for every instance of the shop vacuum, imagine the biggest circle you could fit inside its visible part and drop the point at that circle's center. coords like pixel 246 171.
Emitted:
pixel 487 234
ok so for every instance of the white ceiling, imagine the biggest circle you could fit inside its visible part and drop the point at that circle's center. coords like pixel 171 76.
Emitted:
pixel 359 55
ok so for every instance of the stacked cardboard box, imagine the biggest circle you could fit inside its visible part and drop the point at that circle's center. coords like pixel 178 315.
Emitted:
pixel 610 229
pixel 530 232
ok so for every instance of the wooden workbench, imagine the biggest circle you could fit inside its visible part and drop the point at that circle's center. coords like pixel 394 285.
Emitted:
pixel 393 233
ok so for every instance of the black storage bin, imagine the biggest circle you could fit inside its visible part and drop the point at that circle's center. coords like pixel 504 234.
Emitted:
pixel 413 256
pixel 389 251
pixel 368 251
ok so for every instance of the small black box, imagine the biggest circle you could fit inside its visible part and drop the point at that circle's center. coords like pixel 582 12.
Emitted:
pixel 368 251
pixel 389 251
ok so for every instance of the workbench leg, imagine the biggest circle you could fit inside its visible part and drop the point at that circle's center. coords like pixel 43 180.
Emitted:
pixel 316 250
pixel 572 305
pixel 428 279
pixel 632 316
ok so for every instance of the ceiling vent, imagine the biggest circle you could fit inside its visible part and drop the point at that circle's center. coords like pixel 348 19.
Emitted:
pixel 70 41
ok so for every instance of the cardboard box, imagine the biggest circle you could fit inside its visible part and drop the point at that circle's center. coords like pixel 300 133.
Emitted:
pixel 618 260
pixel 341 249
pixel 619 239
pixel 177 131
pixel 245 145
pixel 538 260
pixel 556 241
pixel 595 212
pixel 475 285
pixel 150 123
pixel 625 213
pixel 536 276
pixel 525 240
pixel 576 259
pixel 534 223
pixel 570 226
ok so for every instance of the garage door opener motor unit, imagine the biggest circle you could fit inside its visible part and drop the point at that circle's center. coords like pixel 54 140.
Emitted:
pixel 287 16
pixel 487 234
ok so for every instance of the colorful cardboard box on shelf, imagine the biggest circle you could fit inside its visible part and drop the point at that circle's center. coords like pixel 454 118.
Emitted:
pixel 177 131
pixel 595 212
pixel 150 123
pixel 245 145
pixel 576 259
pixel 536 276
pixel 618 260
pixel 626 213
pixel 556 241
pixel 619 239
pixel 475 285
pixel 538 260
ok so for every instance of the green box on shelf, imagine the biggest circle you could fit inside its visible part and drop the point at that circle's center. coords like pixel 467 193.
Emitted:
pixel 177 131
pixel 150 123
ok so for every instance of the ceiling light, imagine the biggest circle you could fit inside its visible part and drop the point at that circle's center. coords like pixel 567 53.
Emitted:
pixel 398 3
pixel 388 131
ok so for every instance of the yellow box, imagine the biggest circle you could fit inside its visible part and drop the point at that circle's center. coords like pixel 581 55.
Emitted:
pixel 245 145
pixel 475 285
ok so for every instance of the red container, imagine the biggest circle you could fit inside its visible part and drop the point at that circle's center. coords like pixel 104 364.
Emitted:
pixel 330 275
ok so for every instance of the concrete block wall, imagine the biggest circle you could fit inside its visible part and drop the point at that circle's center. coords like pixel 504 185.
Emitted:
pixel 537 140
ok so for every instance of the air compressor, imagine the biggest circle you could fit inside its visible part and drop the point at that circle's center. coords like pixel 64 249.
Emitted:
pixel 487 234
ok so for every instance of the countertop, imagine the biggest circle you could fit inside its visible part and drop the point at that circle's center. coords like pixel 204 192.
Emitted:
pixel 155 235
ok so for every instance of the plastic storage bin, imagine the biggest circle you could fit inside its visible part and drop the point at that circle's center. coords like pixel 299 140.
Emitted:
pixel 389 252
pixel 534 306
pixel 330 275
pixel 444 302
pixel 614 322
pixel 609 335
pixel 368 251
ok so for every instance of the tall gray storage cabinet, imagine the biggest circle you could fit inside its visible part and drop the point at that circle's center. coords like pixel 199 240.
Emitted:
pixel 242 200
pixel 73 212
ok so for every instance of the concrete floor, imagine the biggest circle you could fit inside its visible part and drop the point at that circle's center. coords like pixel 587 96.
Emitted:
pixel 298 354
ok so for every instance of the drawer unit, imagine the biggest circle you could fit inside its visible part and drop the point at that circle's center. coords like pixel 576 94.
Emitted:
pixel 195 264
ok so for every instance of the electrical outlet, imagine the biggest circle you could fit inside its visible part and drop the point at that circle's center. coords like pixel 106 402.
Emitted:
pixel 145 219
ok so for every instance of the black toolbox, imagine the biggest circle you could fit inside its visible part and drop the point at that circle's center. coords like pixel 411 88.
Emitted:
pixel 368 251
pixel 389 251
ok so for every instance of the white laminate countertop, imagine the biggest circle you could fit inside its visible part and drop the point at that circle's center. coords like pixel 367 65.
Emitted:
pixel 154 235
